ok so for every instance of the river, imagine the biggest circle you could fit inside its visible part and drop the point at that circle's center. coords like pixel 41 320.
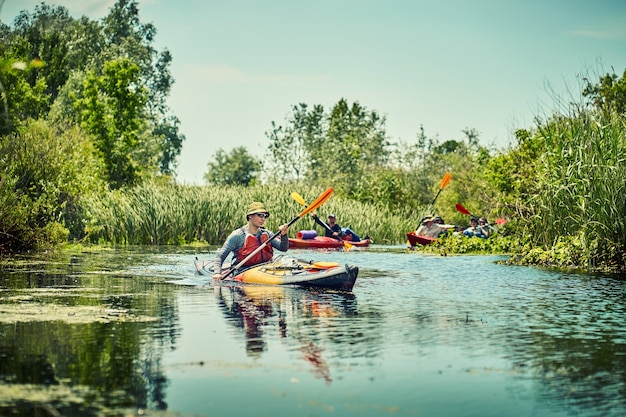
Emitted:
pixel 135 331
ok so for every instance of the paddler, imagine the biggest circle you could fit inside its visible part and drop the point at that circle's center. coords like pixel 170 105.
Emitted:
pixel 246 239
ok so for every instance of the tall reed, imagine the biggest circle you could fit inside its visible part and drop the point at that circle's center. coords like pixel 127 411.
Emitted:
pixel 582 187
pixel 159 214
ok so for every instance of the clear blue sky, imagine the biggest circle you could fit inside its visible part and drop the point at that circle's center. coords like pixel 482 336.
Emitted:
pixel 446 65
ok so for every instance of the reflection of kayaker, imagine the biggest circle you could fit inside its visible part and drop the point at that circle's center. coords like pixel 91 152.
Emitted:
pixel 249 316
pixel 256 309
pixel 313 354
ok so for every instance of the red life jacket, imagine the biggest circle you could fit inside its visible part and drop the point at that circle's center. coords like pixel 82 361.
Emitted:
pixel 250 245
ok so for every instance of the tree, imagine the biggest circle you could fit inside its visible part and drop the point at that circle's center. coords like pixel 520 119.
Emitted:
pixel 46 174
pixel 236 168
pixel 287 155
pixel 111 109
pixel 70 49
pixel 126 36
pixel 609 93
pixel 355 141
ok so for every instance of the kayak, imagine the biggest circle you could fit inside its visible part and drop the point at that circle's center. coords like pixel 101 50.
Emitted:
pixel 323 242
pixel 283 270
pixel 415 239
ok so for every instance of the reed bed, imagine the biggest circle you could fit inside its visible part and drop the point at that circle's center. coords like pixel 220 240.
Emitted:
pixel 158 214
pixel 581 186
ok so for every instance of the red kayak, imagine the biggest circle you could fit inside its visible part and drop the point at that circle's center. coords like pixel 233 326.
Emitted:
pixel 323 242
pixel 415 240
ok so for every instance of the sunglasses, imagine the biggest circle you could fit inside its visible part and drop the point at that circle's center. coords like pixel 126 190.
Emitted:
pixel 263 215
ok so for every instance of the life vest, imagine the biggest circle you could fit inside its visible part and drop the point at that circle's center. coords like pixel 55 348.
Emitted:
pixel 252 243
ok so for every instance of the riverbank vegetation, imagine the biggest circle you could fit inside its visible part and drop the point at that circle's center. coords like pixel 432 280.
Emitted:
pixel 88 154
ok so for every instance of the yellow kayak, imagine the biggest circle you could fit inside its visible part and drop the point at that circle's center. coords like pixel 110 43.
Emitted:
pixel 284 270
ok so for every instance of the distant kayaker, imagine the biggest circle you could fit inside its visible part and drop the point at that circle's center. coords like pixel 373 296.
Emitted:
pixel 474 230
pixel 433 226
pixel 332 229
pixel 246 239
pixel 484 226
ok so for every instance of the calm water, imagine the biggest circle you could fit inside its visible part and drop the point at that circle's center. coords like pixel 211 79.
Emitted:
pixel 134 331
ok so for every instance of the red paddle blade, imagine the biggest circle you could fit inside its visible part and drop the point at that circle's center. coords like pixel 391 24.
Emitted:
pixel 500 221
pixel 461 209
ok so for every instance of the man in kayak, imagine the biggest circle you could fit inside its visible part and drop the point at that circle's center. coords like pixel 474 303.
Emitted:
pixel 332 229
pixel 433 226
pixel 247 239
pixel 476 230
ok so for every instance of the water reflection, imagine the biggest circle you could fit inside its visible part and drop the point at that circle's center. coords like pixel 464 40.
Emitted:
pixel 105 334
pixel 262 312
pixel 77 341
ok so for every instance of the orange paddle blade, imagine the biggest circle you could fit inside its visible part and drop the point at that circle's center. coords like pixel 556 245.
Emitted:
pixel 445 180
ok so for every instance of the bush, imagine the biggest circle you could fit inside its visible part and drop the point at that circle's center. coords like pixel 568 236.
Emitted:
pixel 45 173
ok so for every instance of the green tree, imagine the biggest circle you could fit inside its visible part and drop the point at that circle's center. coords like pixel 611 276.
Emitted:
pixel 20 100
pixel 111 109
pixel 235 168
pixel 125 35
pixel 71 48
pixel 288 157
pixel 355 141
pixel 609 94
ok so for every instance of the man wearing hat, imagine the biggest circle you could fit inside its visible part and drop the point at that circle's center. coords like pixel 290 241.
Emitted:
pixel 432 226
pixel 332 229
pixel 247 239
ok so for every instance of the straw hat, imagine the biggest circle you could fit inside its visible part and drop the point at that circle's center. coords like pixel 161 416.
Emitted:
pixel 257 207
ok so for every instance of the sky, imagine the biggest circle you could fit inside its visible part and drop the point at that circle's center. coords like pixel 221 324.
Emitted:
pixel 489 65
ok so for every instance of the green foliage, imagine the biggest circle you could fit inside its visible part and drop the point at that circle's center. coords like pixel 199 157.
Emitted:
pixel 288 157
pixel 328 148
pixel 568 189
pixel 609 94
pixel 110 109
pixel 235 168
pixel 459 244
pixel 160 213
pixel 45 173
pixel 79 50
pixel 20 99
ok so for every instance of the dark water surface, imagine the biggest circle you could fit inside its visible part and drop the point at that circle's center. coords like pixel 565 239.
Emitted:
pixel 136 332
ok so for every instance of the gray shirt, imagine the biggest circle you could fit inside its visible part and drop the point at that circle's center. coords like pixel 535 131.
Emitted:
pixel 235 241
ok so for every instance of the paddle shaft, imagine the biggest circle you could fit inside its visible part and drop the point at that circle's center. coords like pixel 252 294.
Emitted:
pixel 435 199
pixel 257 250
pixel 444 183
pixel 300 200
pixel 327 227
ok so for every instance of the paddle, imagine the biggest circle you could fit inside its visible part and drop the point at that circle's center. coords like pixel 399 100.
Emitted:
pixel 444 183
pixel 300 200
pixel 318 202
pixel 461 209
